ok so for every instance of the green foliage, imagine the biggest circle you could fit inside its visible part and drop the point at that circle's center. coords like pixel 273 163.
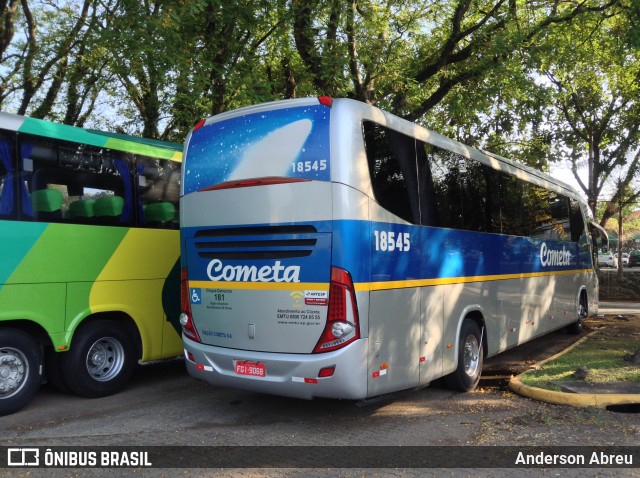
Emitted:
pixel 603 354
pixel 537 81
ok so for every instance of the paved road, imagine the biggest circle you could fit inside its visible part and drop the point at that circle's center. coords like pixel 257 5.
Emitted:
pixel 619 308
pixel 166 407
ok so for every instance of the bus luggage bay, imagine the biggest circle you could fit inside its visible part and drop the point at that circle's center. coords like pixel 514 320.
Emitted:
pixel 89 276
pixel 330 249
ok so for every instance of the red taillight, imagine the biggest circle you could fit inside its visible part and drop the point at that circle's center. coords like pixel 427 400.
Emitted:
pixel 199 124
pixel 326 372
pixel 325 100
pixel 188 329
pixel 247 183
pixel 342 317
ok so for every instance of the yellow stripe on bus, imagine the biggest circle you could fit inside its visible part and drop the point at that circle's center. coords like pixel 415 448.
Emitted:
pixel 260 285
pixel 407 284
pixel 374 286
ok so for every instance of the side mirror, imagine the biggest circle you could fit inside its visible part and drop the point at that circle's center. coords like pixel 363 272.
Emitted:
pixel 600 234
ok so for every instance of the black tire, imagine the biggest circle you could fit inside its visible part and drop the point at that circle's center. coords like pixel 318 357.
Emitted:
pixel 577 327
pixel 20 370
pixel 101 359
pixel 470 357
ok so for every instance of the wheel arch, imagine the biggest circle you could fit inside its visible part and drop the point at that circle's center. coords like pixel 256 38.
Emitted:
pixel 476 314
pixel 121 319
pixel 582 291
pixel 478 317
pixel 33 329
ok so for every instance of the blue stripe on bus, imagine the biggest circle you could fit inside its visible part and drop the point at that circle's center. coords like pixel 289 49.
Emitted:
pixel 398 252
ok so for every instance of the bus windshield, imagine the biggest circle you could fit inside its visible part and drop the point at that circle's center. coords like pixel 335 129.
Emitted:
pixel 289 142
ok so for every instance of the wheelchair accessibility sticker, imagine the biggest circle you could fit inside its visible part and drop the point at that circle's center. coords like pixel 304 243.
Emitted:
pixel 196 296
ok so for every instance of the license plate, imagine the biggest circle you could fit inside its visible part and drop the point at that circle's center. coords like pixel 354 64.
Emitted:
pixel 251 368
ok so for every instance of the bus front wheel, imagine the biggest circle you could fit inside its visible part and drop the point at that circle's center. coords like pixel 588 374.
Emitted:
pixel 101 360
pixel 470 357
pixel 20 370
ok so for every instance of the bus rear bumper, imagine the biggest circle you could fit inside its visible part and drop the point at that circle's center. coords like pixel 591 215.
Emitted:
pixel 289 375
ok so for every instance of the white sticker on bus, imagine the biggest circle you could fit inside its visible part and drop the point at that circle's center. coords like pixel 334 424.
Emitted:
pixel 316 297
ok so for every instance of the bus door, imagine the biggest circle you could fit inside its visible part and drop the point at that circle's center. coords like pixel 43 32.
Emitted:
pixel 396 334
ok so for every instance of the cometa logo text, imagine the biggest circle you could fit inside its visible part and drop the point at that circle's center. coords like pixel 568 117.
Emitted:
pixel 217 271
pixel 554 257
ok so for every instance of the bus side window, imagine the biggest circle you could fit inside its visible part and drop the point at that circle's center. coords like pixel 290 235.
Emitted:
pixel 81 174
pixel 392 167
pixel 7 179
pixel 456 192
pixel 578 229
pixel 560 216
pixel 429 211
pixel 158 189
pixel 512 210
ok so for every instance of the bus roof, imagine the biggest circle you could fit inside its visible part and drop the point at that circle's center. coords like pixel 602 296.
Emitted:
pixel 102 139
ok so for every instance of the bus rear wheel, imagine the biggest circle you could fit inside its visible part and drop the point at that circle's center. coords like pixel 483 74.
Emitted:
pixel 101 360
pixel 470 357
pixel 20 370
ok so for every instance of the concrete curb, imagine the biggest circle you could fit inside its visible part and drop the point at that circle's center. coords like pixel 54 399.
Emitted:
pixel 598 400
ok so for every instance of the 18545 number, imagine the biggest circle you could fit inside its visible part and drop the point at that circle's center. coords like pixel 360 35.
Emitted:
pixel 389 241
pixel 308 166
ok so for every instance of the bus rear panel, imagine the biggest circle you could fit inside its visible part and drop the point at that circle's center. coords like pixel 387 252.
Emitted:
pixel 263 290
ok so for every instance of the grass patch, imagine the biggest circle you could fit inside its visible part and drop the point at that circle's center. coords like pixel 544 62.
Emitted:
pixel 601 353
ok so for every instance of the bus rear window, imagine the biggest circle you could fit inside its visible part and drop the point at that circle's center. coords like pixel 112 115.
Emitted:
pixel 289 142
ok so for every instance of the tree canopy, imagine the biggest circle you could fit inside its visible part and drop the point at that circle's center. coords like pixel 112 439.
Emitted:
pixel 542 81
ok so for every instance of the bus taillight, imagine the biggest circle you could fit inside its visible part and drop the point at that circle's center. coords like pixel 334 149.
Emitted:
pixel 199 124
pixel 188 329
pixel 342 326
pixel 325 100
pixel 251 182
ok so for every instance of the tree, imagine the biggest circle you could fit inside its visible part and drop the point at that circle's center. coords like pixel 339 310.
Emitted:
pixel 162 64
pixel 594 84
pixel 138 37
pixel 434 48
pixel 220 65
pixel 36 62
pixel 9 54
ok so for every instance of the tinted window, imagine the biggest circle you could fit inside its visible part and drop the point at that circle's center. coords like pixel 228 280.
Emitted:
pixel 578 230
pixel 392 166
pixel 158 191
pixel 560 226
pixel 75 183
pixel 7 178
pixel 452 191
pixel 455 191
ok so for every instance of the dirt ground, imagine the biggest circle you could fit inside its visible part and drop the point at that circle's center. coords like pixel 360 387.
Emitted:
pixel 616 325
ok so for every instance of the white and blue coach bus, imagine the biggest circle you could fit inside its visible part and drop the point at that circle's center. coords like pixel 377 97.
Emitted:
pixel 331 249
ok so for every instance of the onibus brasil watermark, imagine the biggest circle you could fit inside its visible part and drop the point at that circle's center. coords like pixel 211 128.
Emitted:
pixel 35 457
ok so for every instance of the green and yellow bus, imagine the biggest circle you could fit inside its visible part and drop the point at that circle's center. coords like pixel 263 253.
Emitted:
pixel 89 276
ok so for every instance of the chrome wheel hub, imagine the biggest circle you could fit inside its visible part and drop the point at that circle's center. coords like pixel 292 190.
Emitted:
pixel 13 370
pixel 105 359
